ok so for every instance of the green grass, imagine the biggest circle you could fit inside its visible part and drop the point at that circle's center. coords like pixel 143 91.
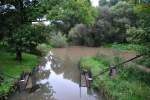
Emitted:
pixel 145 61
pixel 135 47
pixel 10 66
pixel 87 63
pixel 129 84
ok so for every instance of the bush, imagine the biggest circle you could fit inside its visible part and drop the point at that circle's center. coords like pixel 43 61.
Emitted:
pixel 134 34
pixel 58 40
pixel 78 34
pixel 43 48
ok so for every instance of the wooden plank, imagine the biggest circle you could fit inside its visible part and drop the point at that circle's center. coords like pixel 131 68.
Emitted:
pixel 29 83
pixel 83 81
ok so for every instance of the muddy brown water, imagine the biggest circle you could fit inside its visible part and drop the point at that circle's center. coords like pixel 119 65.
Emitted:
pixel 58 76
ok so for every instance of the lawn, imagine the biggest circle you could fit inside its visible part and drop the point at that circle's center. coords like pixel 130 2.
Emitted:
pixel 11 68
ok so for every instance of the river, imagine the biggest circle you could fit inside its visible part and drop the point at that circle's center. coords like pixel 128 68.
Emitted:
pixel 58 75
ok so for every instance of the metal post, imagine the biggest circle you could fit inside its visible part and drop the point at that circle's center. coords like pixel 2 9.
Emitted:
pixel 113 71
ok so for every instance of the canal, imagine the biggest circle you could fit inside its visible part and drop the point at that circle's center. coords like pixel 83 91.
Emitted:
pixel 58 77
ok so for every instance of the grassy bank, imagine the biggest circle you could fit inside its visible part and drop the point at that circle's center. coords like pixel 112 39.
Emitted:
pixel 10 67
pixel 134 47
pixel 145 61
pixel 129 84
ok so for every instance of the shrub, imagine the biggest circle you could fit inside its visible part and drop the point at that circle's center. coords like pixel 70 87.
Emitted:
pixel 43 48
pixel 78 34
pixel 58 40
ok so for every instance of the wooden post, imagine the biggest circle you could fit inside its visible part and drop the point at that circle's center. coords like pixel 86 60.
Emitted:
pixel 113 71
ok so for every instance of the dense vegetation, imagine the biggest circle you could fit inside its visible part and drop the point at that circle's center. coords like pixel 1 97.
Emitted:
pixel 129 83
pixel 114 21
pixel 122 24
pixel 10 70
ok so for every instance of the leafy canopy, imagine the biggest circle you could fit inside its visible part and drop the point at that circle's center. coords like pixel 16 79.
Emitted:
pixel 73 11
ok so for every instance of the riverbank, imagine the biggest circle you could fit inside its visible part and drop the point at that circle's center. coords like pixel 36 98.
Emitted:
pixel 59 77
pixel 129 83
pixel 125 46
pixel 11 70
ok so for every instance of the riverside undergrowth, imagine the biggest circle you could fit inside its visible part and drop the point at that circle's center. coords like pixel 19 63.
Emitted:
pixel 129 84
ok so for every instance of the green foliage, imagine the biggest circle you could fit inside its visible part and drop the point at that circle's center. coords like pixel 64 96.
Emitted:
pixel 103 2
pixel 110 26
pixel 134 47
pixel 87 63
pixel 134 34
pixel 9 66
pixel 44 48
pixel 123 15
pixel 58 40
pixel 142 11
pixel 81 35
pixel 129 84
pixel 26 38
pixel 67 13
pixel 113 2
pixel 25 11
pixel 17 29
pixel 78 34
pixel 104 32
pixel 112 21
pixel 122 9
pixel 145 61
pixel 108 3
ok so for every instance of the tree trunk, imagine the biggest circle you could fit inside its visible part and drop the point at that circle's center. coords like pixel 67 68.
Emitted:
pixel 18 55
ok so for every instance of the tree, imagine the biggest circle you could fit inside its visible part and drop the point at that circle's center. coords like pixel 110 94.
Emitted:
pixel 137 2
pixel 113 2
pixel 8 17
pixel 111 22
pixel 17 25
pixel 72 12
pixel 25 39
pixel 103 26
pixel 143 13
pixel 78 34
pixel 122 15
pixel 103 2
pixel 135 34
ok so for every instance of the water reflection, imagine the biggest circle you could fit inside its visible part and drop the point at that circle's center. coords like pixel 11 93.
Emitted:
pixel 63 78
pixel 58 78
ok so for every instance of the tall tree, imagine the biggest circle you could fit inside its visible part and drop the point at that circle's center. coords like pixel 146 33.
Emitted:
pixel 143 13
pixel 16 24
pixel 26 38
pixel 103 2
pixel 71 12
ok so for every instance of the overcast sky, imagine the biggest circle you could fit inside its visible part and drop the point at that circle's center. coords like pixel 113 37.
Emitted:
pixel 95 2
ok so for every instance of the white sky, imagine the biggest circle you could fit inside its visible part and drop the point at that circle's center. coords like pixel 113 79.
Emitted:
pixel 95 2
